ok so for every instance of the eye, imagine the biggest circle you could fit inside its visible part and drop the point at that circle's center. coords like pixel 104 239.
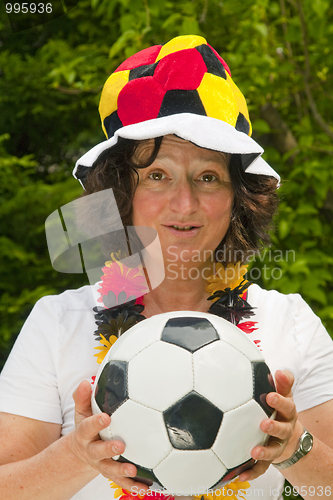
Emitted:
pixel 156 176
pixel 208 177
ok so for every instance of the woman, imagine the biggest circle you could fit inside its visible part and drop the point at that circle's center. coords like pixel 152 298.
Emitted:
pixel 179 160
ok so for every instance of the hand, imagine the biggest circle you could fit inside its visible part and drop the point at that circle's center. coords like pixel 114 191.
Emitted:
pixel 86 444
pixel 284 431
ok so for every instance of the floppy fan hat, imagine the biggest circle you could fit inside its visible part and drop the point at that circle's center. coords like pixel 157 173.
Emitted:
pixel 184 88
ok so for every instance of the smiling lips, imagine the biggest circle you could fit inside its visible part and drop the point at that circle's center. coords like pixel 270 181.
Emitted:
pixel 182 230
pixel 183 227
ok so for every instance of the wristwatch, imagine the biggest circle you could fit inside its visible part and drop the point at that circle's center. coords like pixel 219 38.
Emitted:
pixel 305 445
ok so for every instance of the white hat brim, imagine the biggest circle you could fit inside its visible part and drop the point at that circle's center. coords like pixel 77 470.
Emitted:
pixel 204 131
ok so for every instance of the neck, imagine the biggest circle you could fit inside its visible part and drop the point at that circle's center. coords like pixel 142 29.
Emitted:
pixel 179 291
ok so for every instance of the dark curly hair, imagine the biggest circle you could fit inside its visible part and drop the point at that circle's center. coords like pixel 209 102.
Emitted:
pixel 255 199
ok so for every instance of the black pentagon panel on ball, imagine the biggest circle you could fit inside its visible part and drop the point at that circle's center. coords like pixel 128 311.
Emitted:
pixel 111 389
pixel 263 383
pixel 143 475
pixel 112 123
pixel 214 66
pixel 192 423
pixel 181 101
pixel 141 71
pixel 242 125
pixel 189 333
pixel 231 473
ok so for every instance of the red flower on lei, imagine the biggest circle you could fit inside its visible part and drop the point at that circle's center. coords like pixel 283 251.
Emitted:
pixel 126 495
pixel 119 278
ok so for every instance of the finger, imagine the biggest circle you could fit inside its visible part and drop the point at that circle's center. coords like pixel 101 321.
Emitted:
pixel 278 429
pixel 271 452
pixel 124 474
pixel 131 485
pixel 257 470
pixel 101 450
pixel 90 427
pixel 82 397
pixel 285 406
pixel 284 381
pixel 112 468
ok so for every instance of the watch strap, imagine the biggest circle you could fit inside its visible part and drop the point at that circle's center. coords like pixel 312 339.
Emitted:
pixel 302 450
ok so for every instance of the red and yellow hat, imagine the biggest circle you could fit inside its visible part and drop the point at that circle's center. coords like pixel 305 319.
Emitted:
pixel 185 88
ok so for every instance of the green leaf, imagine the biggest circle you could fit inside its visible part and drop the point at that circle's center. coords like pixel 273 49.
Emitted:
pixel 190 26
pixel 262 29
pixel 320 7
pixel 299 266
pixel 261 126
pixel 119 45
pixel 284 228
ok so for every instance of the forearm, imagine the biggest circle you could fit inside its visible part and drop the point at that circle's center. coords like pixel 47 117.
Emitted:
pixel 312 475
pixel 54 474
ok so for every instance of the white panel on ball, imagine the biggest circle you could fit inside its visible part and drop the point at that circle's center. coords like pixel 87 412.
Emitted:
pixel 239 339
pixel 239 433
pixel 160 375
pixel 212 379
pixel 137 338
pixel 198 468
pixel 143 432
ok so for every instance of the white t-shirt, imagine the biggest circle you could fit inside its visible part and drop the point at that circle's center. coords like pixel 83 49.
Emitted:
pixel 55 352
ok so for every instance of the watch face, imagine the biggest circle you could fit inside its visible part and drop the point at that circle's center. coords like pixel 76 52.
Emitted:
pixel 307 443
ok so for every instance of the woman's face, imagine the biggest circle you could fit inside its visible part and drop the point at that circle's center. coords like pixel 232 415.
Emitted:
pixel 186 195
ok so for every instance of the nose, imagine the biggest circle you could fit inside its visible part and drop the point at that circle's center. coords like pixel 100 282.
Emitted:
pixel 184 198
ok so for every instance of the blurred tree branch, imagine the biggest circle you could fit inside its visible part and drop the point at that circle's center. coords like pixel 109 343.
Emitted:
pixel 281 136
pixel 307 73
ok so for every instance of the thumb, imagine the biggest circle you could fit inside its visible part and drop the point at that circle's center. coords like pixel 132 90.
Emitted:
pixel 82 397
pixel 284 381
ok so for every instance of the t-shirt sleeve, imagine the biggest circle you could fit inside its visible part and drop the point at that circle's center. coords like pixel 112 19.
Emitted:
pixel 28 381
pixel 315 382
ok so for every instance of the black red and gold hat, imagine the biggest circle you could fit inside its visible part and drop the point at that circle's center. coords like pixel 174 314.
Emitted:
pixel 184 88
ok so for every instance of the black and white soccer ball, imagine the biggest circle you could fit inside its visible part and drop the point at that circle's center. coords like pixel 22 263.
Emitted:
pixel 186 392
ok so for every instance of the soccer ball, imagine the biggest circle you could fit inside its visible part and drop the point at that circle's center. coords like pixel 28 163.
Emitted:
pixel 186 392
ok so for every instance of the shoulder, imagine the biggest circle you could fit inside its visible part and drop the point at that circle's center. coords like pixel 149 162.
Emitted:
pixel 286 317
pixel 54 318
pixel 293 338
pixel 258 295
pixel 76 300
pixel 273 305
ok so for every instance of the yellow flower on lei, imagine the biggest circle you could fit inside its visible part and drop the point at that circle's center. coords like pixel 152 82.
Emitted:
pixel 233 491
pixel 226 277
pixel 105 347
pixel 117 490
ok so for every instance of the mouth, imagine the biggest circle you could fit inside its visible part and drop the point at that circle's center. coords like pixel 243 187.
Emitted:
pixel 183 228
pixel 187 230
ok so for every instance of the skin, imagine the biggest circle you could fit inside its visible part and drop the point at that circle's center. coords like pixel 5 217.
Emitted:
pixel 186 185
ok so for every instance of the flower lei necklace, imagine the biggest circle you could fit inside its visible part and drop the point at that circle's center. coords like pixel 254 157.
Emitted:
pixel 122 309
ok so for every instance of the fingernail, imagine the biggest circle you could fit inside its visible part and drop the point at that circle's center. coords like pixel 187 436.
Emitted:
pixel 115 449
pixel 269 427
pixel 260 454
pixel 274 400
pixel 128 472
pixel 101 421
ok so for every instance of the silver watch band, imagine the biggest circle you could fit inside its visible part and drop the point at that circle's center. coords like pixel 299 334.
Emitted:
pixel 305 445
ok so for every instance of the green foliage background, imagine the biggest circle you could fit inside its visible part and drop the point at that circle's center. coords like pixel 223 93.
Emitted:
pixel 51 77
pixel 50 81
